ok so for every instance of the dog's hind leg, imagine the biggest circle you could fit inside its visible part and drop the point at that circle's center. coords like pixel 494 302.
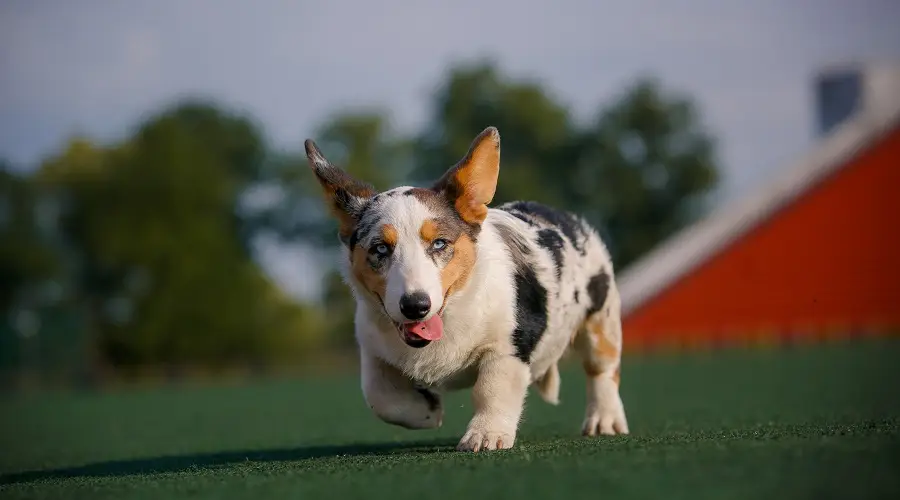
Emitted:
pixel 599 343
pixel 548 385
pixel 395 399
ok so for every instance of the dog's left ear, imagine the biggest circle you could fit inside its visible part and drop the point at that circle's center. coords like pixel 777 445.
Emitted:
pixel 470 184
pixel 345 195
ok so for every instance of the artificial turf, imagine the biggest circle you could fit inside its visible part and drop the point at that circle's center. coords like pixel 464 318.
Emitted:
pixel 805 422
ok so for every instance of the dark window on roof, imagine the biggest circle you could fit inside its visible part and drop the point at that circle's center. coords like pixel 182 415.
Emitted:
pixel 838 97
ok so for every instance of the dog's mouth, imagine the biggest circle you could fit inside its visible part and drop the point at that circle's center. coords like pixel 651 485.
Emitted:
pixel 419 334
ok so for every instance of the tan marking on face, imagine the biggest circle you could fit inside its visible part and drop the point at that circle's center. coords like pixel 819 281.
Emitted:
pixel 370 279
pixel 455 274
pixel 389 234
pixel 429 231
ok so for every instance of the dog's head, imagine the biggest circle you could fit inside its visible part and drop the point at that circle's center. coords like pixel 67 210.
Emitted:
pixel 411 248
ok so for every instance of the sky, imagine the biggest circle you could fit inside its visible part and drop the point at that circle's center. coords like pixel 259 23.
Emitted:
pixel 97 67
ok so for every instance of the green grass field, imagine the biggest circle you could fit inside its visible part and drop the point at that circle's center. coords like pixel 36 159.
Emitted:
pixel 812 422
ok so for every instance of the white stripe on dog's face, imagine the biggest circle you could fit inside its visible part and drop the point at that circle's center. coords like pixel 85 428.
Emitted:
pixel 411 270
pixel 411 241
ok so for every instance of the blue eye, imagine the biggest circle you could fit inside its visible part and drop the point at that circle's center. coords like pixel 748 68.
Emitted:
pixel 381 249
pixel 438 244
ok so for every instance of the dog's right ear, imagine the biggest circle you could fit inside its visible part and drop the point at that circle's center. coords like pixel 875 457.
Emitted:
pixel 344 195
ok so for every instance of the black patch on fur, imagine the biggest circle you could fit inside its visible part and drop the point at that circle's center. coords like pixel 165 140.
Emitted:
pixel 531 312
pixel 348 202
pixel 364 228
pixel 575 296
pixel 531 296
pixel 552 241
pixel 366 211
pixel 369 217
pixel 570 225
pixel 597 290
pixel 522 217
pixel 431 398
pixel 518 249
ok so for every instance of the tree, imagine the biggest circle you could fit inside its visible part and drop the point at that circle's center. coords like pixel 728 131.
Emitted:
pixel 643 170
pixel 162 265
pixel 363 144
pixel 26 258
pixel 234 142
pixel 534 129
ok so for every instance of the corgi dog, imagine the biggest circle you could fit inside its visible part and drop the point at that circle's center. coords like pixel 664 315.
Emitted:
pixel 452 294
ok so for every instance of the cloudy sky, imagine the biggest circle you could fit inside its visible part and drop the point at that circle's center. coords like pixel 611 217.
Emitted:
pixel 95 66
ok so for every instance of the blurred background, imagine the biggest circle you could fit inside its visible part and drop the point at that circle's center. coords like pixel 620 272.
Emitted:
pixel 158 220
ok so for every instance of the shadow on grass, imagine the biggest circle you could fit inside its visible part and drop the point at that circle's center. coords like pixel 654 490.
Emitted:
pixel 178 463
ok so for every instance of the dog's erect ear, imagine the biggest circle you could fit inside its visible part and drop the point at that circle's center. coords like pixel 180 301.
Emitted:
pixel 345 195
pixel 471 183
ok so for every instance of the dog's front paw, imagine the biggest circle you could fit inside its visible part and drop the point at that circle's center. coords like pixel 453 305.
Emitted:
pixel 477 439
pixel 607 418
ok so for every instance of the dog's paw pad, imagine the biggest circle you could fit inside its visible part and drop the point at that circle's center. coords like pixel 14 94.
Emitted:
pixel 476 441
pixel 608 423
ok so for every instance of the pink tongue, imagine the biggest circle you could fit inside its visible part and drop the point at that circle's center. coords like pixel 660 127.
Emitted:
pixel 432 329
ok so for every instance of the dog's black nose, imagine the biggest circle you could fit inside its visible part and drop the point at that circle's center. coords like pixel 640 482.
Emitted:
pixel 415 305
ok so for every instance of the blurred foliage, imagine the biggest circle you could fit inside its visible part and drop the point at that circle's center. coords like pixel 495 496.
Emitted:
pixel 535 131
pixel 150 241
pixel 362 144
pixel 158 260
pixel 642 171
pixel 25 257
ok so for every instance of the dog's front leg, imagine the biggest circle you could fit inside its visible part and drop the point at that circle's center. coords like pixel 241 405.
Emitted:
pixel 395 399
pixel 499 397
